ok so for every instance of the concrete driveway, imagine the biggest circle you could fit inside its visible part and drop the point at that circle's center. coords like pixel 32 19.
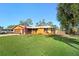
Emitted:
pixel 8 34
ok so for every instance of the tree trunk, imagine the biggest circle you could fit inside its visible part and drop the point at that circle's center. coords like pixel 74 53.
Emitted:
pixel 67 31
pixel 73 27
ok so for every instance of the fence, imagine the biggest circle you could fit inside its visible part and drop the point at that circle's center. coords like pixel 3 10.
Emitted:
pixel 59 32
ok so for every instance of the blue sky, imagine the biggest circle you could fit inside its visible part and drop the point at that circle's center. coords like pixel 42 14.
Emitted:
pixel 13 13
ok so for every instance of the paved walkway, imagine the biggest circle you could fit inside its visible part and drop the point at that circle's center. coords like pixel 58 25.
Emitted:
pixel 70 36
pixel 7 34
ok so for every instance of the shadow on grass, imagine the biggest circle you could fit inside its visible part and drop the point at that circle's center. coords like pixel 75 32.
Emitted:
pixel 67 40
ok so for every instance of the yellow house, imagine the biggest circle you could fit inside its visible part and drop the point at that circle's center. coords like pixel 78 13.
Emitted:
pixel 20 29
pixel 45 30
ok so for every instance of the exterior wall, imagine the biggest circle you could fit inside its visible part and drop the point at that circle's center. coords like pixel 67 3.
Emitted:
pixel 49 31
pixel 29 31
pixel 37 31
pixel 34 31
pixel 19 30
pixel 40 31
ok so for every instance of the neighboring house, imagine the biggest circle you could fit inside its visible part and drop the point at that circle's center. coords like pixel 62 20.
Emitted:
pixel 34 30
pixel 8 30
pixel 1 28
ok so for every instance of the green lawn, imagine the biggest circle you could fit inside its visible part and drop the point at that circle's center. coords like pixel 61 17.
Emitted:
pixel 36 45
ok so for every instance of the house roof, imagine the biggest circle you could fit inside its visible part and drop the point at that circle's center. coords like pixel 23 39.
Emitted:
pixel 19 26
pixel 33 27
pixel 40 27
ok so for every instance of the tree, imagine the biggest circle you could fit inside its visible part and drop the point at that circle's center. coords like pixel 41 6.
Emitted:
pixel 1 27
pixel 27 22
pixel 37 24
pixel 56 27
pixel 21 22
pixel 11 26
pixel 50 24
pixel 68 15
pixel 41 23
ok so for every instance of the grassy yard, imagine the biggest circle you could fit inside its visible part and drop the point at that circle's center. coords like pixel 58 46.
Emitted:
pixel 33 45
